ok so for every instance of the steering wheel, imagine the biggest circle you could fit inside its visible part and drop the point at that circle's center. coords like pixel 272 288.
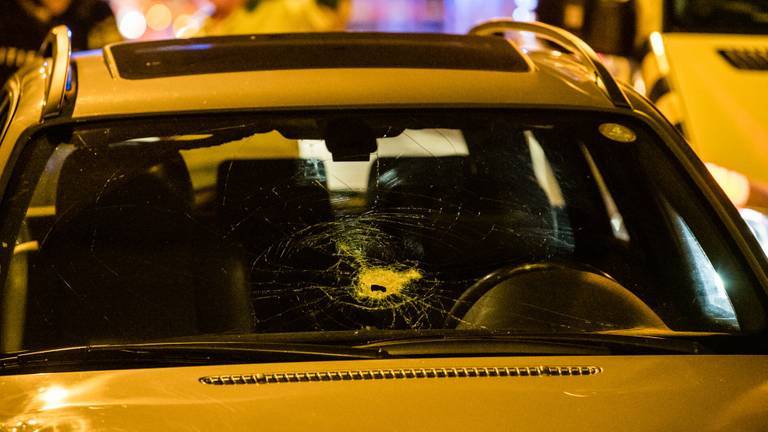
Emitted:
pixel 550 296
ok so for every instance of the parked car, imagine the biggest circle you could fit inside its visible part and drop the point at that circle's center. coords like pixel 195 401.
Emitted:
pixel 369 231
pixel 703 63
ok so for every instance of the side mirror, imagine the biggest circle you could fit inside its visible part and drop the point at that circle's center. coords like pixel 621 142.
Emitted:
pixel 608 26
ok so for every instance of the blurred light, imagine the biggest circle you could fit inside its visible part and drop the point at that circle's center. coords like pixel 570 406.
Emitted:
pixel 734 184
pixel 521 14
pixel 573 16
pixel 639 83
pixel 53 397
pixel 132 25
pixel 159 17
pixel 527 4
pixel 185 26
pixel 758 223
pixel 657 43
pixel 657 46
pixel 461 15
pixel 719 282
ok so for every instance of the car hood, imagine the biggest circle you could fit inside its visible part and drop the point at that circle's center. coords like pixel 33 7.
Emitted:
pixel 618 393
pixel 725 107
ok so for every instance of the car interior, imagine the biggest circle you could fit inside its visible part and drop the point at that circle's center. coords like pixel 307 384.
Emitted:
pixel 475 228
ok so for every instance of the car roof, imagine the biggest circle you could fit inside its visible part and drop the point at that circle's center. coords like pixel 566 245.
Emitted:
pixel 320 71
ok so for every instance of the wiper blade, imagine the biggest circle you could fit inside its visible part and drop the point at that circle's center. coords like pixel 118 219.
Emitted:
pixel 108 356
pixel 481 346
pixel 636 344
pixel 536 344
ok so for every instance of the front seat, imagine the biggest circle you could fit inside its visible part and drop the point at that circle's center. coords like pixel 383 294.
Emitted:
pixel 127 260
pixel 277 209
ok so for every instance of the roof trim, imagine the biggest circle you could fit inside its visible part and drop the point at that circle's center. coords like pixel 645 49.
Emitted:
pixel 497 27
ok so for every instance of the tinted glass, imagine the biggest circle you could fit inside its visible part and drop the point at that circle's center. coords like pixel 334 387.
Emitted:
pixel 364 221
pixel 315 51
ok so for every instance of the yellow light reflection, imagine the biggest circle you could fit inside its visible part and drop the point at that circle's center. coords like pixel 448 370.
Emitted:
pixel 53 397
pixel 159 17
pixel 734 184
pixel 657 46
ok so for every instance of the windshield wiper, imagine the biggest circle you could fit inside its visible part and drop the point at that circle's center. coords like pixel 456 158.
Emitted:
pixel 495 343
pixel 164 354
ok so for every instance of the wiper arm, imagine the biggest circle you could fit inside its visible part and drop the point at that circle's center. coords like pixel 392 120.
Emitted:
pixel 196 353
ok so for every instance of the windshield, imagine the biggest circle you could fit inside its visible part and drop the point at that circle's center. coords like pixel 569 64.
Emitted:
pixel 314 223
pixel 718 16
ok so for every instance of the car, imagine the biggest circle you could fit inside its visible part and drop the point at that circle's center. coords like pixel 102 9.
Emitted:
pixel 370 231
pixel 703 63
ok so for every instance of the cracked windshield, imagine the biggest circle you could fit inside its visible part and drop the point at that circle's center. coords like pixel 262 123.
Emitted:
pixel 361 222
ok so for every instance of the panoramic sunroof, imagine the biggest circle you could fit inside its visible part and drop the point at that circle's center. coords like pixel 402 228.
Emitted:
pixel 314 51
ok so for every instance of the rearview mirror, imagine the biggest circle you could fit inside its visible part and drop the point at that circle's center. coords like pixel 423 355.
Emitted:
pixel 350 140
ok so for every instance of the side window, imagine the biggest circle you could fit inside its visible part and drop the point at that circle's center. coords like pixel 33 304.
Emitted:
pixel 710 294
pixel 697 279
pixel 722 293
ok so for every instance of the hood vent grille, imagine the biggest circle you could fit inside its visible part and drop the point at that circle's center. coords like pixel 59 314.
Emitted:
pixel 747 58
pixel 394 374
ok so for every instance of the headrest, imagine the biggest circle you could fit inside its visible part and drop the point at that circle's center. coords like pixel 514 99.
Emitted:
pixel 264 199
pixel 124 194
pixel 119 178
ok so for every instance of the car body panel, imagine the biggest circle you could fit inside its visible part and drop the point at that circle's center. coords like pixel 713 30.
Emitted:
pixel 641 393
pixel 29 90
pixel 101 94
pixel 721 104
